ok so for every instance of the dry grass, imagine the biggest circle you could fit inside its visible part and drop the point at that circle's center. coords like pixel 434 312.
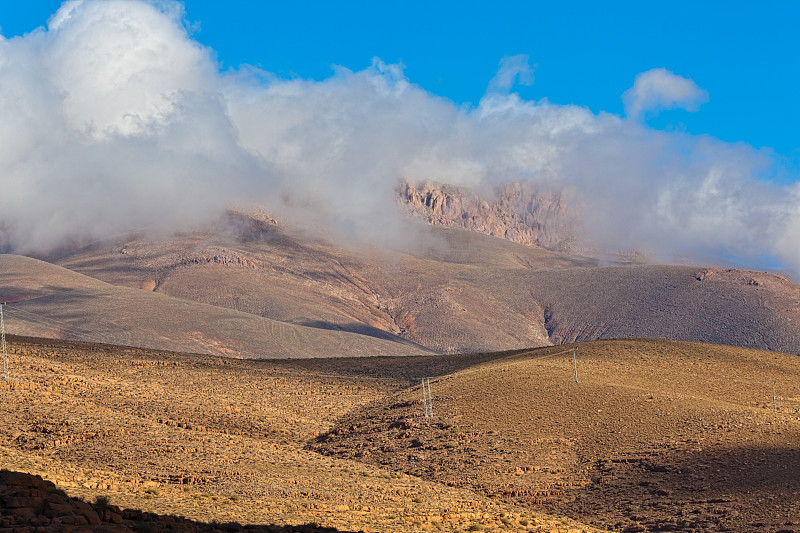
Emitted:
pixel 216 439
pixel 658 434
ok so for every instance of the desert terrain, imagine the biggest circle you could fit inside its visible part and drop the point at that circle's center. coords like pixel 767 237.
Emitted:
pixel 654 436
pixel 447 290
pixel 253 375
pixel 220 440
pixel 47 300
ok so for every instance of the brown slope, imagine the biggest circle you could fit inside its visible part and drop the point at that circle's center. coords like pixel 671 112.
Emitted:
pixel 28 498
pixel 723 306
pixel 215 440
pixel 52 301
pixel 654 436
pixel 268 271
pixel 454 291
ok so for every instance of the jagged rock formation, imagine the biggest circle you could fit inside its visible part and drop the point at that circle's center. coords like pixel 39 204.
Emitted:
pixel 519 211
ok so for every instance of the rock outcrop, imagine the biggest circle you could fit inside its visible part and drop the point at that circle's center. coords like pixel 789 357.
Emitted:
pixel 519 211
pixel 29 503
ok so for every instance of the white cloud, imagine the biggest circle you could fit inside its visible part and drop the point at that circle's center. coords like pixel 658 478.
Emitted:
pixel 661 89
pixel 513 69
pixel 114 118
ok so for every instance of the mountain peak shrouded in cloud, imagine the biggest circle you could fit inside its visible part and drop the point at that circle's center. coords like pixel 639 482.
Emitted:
pixel 115 118
pixel 658 89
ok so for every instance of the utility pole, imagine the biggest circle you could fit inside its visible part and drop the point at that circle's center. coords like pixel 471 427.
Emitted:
pixel 424 399
pixel 774 405
pixel 3 342
pixel 427 401
pixel 430 399
pixel 575 364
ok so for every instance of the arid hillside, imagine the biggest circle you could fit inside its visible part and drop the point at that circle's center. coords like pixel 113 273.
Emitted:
pixel 654 436
pixel 450 290
pixel 50 301
pixel 215 439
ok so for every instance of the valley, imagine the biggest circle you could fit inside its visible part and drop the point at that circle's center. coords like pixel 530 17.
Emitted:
pixel 654 436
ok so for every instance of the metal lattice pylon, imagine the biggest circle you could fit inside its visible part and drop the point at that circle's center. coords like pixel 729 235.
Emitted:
pixel 3 342
pixel 427 401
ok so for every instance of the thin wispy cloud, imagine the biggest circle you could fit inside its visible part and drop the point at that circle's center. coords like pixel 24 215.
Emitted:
pixel 115 118
pixel 512 70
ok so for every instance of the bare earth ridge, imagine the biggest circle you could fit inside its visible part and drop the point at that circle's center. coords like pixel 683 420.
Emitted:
pixel 450 290
pixel 51 301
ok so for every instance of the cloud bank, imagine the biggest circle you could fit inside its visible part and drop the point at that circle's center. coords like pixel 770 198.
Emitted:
pixel 114 119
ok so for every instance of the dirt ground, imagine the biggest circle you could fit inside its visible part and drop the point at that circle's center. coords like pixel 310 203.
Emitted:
pixel 654 435
pixel 216 439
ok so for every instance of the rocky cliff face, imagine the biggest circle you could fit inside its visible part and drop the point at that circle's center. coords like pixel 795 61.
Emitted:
pixel 517 211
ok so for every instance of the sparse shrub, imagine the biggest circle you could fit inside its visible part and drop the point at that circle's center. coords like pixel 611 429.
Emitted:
pixel 417 500
pixel 523 522
pixel 153 492
pixel 101 501
pixel 234 497
pixel 475 527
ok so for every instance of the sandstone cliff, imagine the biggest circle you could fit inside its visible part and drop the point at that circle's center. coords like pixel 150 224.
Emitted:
pixel 519 211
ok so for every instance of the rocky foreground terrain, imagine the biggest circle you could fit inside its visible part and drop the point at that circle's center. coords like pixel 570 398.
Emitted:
pixel 217 440
pixel 654 436
pixel 30 503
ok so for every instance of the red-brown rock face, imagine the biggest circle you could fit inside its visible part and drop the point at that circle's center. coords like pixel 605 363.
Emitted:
pixel 517 211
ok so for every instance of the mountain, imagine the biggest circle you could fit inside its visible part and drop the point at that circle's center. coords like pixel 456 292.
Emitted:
pixel 519 211
pixel 448 289
pixel 51 301
pixel 151 436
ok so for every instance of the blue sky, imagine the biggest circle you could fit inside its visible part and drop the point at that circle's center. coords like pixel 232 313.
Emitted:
pixel 745 55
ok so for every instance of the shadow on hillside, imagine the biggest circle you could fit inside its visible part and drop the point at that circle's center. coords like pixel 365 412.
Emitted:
pixel 355 327
pixel 408 369
pixel 27 499
pixel 740 489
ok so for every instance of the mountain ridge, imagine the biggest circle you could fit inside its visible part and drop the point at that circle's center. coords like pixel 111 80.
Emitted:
pixel 452 290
